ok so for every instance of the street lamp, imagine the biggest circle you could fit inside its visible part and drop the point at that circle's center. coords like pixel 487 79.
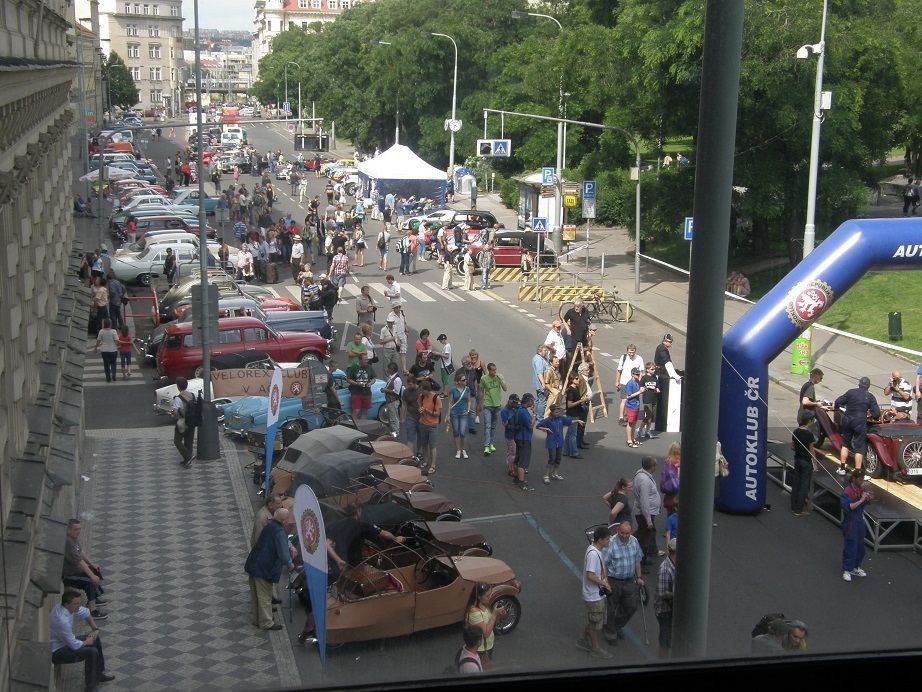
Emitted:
pixel 801 363
pixel 291 62
pixel 397 119
pixel 519 14
pixel 454 124
pixel 804 52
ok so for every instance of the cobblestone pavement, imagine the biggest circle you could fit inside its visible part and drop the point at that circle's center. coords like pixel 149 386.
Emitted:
pixel 172 542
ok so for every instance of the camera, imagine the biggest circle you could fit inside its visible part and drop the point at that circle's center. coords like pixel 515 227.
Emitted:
pixel 603 591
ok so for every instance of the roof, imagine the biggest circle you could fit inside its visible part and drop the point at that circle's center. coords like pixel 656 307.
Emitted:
pixel 400 163
pixel 228 322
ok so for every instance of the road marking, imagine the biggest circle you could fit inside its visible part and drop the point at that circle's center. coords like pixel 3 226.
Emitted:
pixel 445 294
pixel 528 314
pixel 416 293
pixel 478 295
pixel 607 355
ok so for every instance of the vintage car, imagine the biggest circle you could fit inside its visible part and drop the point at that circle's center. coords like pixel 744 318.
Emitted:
pixel 119 220
pixel 179 356
pixel 372 602
pixel 510 249
pixel 181 293
pixel 895 445
pixel 277 315
pixel 250 412
pixel 142 267
pixel 190 198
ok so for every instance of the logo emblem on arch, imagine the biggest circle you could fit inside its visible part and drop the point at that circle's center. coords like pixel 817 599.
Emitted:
pixel 808 302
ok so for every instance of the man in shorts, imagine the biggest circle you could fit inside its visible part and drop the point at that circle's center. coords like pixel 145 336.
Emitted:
pixel 360 378
pixel 854 426
pixel 595 591
pixel 632 393
pixel 339 272
pixel 430 410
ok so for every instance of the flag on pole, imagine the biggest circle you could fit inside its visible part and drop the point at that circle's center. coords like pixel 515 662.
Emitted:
pixel 275 399
pixel 313 540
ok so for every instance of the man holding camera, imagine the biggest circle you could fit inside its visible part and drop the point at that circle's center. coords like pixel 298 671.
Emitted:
pixel 853 500
pixel 595 591
pixel 900 393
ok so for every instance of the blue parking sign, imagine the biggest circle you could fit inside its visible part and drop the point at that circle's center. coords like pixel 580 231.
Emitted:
pixel 689 227
pixel 547 176
pixel 588 189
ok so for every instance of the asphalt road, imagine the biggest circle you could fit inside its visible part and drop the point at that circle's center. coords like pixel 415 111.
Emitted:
pixel 771 562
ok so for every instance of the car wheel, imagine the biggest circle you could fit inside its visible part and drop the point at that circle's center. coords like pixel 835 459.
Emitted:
pixel 508 622
pixel 199 372
pixel 382 415
pixel 448 516
pixel 911 455
pixel 458 261
pixel 872 465
pixel 144 280
pixel 296 425
pixel 309 357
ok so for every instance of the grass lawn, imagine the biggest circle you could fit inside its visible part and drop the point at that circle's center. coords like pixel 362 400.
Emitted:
pixel 863 310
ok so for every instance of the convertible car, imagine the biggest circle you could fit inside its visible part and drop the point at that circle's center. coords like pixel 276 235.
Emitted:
pixel 894 445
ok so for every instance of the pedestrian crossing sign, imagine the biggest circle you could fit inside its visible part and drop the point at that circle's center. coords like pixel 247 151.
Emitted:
pixel 539 225
pixel 494 147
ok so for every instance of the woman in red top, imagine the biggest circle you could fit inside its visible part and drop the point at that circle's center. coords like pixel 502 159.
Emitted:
pixel 125 343
pixel 423 344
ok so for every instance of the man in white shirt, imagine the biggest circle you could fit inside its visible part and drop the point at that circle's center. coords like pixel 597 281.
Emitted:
pixel 626 363
pixel 67 648
pixel 392 292
pixel 555 338
pixel 595 591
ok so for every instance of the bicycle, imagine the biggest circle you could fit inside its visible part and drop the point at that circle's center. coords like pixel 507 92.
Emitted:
pixel 602 306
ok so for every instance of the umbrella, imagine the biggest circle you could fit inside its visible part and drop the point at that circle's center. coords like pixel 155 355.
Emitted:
pixel 111 174
pixel 313 444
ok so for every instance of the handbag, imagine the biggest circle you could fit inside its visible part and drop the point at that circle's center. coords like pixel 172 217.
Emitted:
pixel 449 368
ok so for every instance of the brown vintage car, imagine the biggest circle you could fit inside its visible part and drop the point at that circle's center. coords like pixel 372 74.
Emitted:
pixel 372 602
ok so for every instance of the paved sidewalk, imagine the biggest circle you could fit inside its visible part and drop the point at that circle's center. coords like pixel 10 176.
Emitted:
pixel 167 538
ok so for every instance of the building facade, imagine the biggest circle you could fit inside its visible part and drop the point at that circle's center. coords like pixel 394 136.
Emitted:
pixel 272 17
pixel 42 308
pixel 148 37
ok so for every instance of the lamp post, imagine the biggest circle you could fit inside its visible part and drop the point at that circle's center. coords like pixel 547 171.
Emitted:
pixel 291 62
pixel 802 358
pixel 397 119
pixel 454 124
pixel 556 236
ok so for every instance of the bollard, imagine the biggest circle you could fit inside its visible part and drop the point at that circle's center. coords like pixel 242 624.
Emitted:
pixel 895 325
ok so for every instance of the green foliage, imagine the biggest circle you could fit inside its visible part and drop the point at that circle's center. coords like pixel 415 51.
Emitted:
pixel 121 88
pixel 509 192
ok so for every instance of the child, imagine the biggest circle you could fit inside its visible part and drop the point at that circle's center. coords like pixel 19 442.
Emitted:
pixel 125 343
pixel 553 426
pixel 672 523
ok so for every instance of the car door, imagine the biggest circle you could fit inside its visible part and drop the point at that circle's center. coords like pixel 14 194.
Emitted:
pixel 230 340
pixel 507 251
pixel 261 339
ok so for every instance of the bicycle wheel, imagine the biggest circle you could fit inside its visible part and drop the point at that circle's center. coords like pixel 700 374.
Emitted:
pixel 592 309
pixel 622 311
pixel 564 308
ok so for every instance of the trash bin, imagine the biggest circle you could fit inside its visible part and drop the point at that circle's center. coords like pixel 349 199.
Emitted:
pixel 895 325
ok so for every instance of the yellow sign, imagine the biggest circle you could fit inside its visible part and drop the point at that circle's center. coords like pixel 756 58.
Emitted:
pixel 568 234
pixel 570 201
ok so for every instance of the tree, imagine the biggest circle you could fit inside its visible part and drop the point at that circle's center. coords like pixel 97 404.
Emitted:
pixel 121 88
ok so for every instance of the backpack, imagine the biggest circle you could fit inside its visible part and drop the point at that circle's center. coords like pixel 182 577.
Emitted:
pixel 461 657
pixel 192 411
pixel 382 240
pixel 515 423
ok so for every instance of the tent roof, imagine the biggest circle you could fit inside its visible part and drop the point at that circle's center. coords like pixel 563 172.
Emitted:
pixel 399 163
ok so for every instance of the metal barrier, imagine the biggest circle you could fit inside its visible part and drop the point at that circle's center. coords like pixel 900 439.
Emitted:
pixel 155 304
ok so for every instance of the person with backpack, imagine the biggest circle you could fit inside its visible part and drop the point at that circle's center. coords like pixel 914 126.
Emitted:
pixel 187 412
pixel 381 243
pixel 430 414
pixel 467 660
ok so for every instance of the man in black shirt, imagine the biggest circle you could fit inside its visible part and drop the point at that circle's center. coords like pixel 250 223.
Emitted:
pixel 649 383
pixel 802 444
pixel 348 536
pixel 854 425
pixel 809 402
pixel 577 322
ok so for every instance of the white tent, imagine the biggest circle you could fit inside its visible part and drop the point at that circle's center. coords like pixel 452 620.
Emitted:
pixel 402 173
pixel 399 163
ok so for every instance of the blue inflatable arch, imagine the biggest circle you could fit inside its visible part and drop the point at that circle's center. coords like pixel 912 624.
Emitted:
pixel 855 248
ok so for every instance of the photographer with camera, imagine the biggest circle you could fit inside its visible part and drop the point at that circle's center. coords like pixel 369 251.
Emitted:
pixel 853 500
pixel 900 393
pixel 595 591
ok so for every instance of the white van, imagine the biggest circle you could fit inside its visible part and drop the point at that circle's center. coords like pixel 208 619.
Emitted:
pixel 232 139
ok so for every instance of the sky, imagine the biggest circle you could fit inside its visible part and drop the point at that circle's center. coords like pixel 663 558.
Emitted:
pixel 220 14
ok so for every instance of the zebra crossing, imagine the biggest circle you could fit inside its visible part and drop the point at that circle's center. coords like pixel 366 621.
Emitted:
pixel 426 292
pixel 94 373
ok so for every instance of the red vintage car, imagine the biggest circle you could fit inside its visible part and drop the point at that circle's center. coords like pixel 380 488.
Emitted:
pixel 894 445
pixel 178 356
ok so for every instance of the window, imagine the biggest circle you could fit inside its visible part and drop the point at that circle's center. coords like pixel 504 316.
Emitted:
pixel 269 25
pixel 255 334
pixel 304 26
pixel 345 4
pixel 174 11
pixel 155 74
pixel 127 8
pixel 229 336
pixel 131 29
pixel 331 4
pixel 302 4
pixel 155 10
pixel 146 9
pixel 134 50
pixel 172 75
pixel 153 31
pixel 135 73
pixel 154 52
pixel 315 4
pixel 137 8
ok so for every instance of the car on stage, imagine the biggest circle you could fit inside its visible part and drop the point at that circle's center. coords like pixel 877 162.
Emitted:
pixel 894 445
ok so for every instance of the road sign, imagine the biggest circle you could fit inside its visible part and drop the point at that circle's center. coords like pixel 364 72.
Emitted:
pixel 547 176
pixel 570 189
pixel 588 208
pixel 689 224
pixel 539 225
pixel 570 201
pixel 287 107
pixel 588 189
pixel 547 191
pixel 494 147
